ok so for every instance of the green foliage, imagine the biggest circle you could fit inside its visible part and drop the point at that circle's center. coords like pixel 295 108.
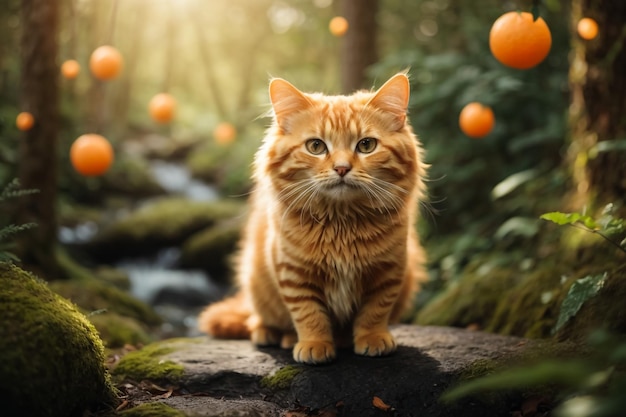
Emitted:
pixel 588 386
pixel 570 218
pixel 11 191
pixel 580 291
pixel 553 372
pixel 607 226
pixel 456 67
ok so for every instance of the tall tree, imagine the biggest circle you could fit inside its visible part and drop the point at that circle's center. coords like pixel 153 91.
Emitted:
pixel 358 49
pixel 38 151
pixel 598 98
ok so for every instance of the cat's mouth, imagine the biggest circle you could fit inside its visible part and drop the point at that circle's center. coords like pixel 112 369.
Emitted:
pixel 341 187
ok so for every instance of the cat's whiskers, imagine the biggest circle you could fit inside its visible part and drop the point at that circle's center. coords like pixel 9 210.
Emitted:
pixel 383 192
pixel 308 203
pixel 301 188
pixel 385 197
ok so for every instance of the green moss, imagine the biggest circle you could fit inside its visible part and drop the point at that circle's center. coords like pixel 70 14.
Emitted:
pixel 117 331
pixel 210 249
pixel 152 410
pixel 282 378
pixel 131 176
pixel 72 270
pixel 113 276
pixel 478 368
pixel 472 299
pixel 530 308
pixel 169 220
pixel 51 358
pixel 92 295
pixel 226 166
pixel 147 363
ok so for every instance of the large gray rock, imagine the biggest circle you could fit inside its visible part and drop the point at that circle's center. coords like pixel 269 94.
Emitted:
pixel 233 378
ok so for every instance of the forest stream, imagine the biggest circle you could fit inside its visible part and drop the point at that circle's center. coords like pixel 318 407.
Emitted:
pixel 176 294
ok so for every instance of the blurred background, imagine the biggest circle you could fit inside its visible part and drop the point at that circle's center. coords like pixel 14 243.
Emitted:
pixel 162 221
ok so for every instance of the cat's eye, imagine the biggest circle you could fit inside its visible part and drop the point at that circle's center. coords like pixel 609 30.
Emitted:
pixel 315 146
pixel 366 145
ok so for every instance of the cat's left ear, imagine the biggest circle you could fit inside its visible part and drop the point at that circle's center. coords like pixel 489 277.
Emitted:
pixel 393 98
pixel 286 101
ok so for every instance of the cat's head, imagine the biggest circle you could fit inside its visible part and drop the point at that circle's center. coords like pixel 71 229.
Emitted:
pixel 353 149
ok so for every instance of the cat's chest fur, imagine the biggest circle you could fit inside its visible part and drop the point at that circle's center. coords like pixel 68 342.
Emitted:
pixel 339 252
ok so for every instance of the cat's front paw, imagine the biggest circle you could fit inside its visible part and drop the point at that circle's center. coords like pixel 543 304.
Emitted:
pixel 374 344
pixel 313 352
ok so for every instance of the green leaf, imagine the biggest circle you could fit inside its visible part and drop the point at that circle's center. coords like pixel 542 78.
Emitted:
pixel 580 292
pixel 517 226
pixel 569 218
pixel 511 182
pixel 570 373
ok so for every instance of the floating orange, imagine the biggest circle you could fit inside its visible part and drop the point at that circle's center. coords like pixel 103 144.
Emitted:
pixel 24 121
pixel 91 154
pixel 587 28
pixel 106 62
pixel 224 133
pixel 476 120
pixel 519 41
pixel 338 26
pixel 70 69
pixel 162 107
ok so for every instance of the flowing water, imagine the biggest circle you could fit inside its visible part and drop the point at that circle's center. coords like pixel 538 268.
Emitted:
pixel 176 294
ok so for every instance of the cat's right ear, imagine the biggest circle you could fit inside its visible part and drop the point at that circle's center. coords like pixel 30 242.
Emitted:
pixel 286 101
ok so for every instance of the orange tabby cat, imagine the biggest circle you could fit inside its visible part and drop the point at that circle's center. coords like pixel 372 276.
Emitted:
pixel 329 255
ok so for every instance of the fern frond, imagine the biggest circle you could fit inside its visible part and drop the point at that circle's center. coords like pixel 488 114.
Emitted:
pixel 12 229
pixel 12 190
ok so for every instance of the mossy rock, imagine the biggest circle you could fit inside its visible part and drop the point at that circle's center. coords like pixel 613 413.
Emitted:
pixel 282 378
pixel 147 364
pixel 164 223
pixel 212 248
pixel 117 331
pixel 471 300
pixel 152 410
pixel 131 176
pixel 92 295
pixel 531 307
pixel 113 276
pixel 228 167
pixel 51 358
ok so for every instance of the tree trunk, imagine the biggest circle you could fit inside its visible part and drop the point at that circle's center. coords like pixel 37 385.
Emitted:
pixel 358 49
pixel 598 105
pixel 38 150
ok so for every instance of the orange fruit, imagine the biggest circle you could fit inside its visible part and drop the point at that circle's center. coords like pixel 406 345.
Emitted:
pixel 518 41
pixel 338 26
pixel 70 69
pixel 106 62
pixel 24 121
pixel 224 133
pixel 587 28
pixel 476 120
pixel 91 154
pixel 162 107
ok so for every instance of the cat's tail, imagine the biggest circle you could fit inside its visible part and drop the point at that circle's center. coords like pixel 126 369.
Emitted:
pixel 226 319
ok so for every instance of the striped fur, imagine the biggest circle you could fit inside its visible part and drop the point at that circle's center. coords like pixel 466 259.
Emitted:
pixel 329 259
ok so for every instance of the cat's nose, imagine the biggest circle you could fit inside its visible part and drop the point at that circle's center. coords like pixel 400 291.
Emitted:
pixel 342 170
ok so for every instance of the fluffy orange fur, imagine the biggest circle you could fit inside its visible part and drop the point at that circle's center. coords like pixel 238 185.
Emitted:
pixel 329 256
